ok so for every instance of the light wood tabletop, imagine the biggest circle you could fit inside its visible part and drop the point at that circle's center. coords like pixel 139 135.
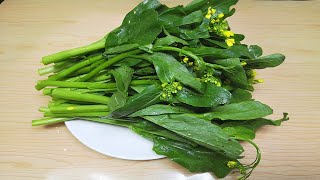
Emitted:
pixel 34 28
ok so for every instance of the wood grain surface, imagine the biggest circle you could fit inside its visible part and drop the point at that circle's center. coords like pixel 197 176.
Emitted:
pixel 34 28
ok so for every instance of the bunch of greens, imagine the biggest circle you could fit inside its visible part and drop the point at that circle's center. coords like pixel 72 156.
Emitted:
pixel 177 76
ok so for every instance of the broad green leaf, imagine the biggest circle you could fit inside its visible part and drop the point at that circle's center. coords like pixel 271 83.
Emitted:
pixel 234 71
pixel 141 29
pixel 140 8
pixel 123 77
pixel 169 70
pixel 242 50
pixel 170 17
pixel 143 127
pixel 272 60
pixel 199 131
pixel 239 95
pixel 256 123
pixel 169 40
pixel 159 109
pixel 217 53
pixel 120 49
pixel 239 132
pixel 195 159
pixel 194 17
pixel 211 96
pixel 203 5
pixel 149 96
pixel 246 110
pixel 145 71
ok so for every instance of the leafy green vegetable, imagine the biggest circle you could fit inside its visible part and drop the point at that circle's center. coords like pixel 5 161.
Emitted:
pixel 169 70
pixel 195 159
pixel 211 96
pixel 239 111
pixel 203 107
pixel 160 109
pixel 122 76
pixel 272 60
pixel 199 131
pixel 148 97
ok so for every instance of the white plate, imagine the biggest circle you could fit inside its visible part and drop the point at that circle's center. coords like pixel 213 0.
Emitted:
pixel 115 141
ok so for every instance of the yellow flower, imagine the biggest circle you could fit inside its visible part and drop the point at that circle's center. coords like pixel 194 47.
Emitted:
pixel 213 21
pixel 243 63
pixel 213 11
pixel 185 60
pixel 208 16
pixel 228 33
pixel 221 15
pixel 230 42
pixel 260 80
pixel 232 164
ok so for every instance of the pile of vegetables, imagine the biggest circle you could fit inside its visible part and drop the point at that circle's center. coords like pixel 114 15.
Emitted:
pixel 178 76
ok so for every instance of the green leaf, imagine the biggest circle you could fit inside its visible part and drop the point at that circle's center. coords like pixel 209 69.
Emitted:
pixel 195 159
pixel 145 71
pixel 194 17
pixel 123 77
pixel 128 62
pixel 255 50
pixel 239 132
pixel 239 95
pixel 211 96
pixel 170 17
pixel 120 49
pixel 160 109
pixel 263 62
pixel 143 127
pixel 242 50
pixel 169 40
pixel 199 131
pixel 256 123
pixel 149 96
pixel 140 8
pixel 217 53
pixel 234 71
pixel 169 70
pixel 141 29
pixel 139 88
pixel 246 110
pixel 203 5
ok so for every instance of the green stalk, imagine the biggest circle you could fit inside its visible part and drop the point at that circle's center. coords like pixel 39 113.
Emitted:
pixel 44 109
pixel 71 108
pixel 109 63
pixel 87 68
pixel 71 69
pixel 197 59
pixel 87 85
pixel 75 114
pixel 47 121
pixel 79 96
pixel 60 56
pixel 102 77
pixel 55 68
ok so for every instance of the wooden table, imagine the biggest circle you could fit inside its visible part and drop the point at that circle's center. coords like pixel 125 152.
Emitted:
pixel 31 29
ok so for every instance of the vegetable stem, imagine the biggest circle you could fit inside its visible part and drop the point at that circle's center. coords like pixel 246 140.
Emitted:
pixel 109 63
pixel 60 56
pixel 71 108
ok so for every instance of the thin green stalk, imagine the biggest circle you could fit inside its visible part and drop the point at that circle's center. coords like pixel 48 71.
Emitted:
pixel 109 63
pixel 87 85
pixel 71 69
pixel 47 121
pixel 44 109
pixel 79 96
pixel 71 108
pixel 197 59
pixel 60 56
pixel 50 120
pixel 87 68
pixel 102 77
pixel 75 114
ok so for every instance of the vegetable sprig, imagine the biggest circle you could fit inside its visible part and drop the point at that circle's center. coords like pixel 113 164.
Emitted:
pixel 178 76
